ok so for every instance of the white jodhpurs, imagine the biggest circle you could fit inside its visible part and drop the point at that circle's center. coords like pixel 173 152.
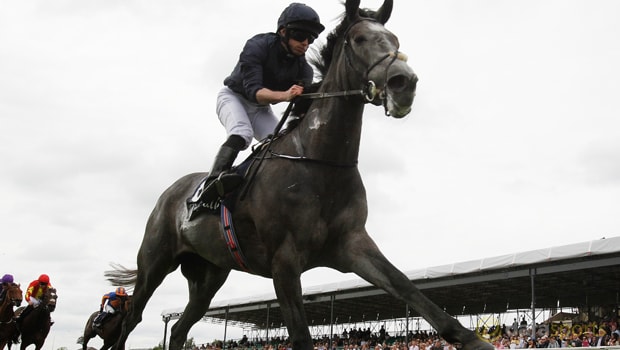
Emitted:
pixel 244 118
pixel 109 309
pixel 34 301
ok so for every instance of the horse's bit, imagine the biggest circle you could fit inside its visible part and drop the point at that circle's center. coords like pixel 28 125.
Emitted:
pixel 370 90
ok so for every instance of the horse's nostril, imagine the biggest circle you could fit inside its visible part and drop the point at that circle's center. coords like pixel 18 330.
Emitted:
pixel 401 82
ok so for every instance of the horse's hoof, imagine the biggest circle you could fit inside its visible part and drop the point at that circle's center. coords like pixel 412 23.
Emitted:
pixel 478 344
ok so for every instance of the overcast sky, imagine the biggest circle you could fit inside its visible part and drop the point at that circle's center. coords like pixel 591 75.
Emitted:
pixel 513 143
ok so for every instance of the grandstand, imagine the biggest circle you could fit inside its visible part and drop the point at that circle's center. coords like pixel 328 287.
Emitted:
pixel 584 277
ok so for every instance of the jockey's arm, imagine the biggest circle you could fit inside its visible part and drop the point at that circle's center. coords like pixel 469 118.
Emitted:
pixel 266 96
pixel 28 293
pixel 104 300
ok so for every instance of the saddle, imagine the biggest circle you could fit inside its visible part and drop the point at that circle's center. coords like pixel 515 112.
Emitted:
pixel 99 319
pixel 237 178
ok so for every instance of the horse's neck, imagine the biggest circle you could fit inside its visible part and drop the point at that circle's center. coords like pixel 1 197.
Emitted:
pixel 124 306
pixel 331 129
pixel 7 304
pixel 5 307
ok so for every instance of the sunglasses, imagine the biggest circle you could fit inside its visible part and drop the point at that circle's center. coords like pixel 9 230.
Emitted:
pixel 301 36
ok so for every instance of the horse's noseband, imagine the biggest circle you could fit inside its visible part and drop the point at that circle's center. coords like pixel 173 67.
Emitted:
pixel 370 90
pixel 371 87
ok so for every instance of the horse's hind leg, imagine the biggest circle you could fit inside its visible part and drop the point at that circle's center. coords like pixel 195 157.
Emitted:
pixel 155 262
pixel 107 344
pixel 85 341
pixel 361 255
pixel 89 333
pixel 204 280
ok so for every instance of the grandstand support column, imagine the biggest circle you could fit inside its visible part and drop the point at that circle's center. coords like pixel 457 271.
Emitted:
pixel 532 275
pixel 226 325
pixel 407 325
pixel 331 320
pixel 166 319
pixel 267 324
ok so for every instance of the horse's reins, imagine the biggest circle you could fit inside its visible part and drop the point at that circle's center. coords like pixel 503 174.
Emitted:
pixel 369 92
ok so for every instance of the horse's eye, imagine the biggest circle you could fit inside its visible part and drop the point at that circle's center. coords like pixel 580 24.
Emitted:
pixel 359 39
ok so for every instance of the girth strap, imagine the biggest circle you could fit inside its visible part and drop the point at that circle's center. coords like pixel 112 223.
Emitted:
pixel 231 239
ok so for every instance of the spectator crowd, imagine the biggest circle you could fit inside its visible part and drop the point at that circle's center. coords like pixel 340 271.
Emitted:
pixel 517 336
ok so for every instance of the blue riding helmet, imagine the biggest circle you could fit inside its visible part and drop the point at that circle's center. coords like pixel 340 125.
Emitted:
pixel 8 278
pixel 301 17
pixel 120 291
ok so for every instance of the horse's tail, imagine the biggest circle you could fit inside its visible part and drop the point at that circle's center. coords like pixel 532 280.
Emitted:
pixel 121 276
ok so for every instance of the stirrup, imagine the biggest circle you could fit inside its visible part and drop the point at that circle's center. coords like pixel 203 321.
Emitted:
pixel 221 186
pixel 210 193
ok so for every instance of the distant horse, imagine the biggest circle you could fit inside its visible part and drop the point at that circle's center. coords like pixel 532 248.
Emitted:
pixel 109 330
pixel 8 328
pixel 35 325
pixel 306 205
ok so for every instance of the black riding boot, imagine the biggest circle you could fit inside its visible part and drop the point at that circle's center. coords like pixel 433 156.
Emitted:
pixel 219 182
pixel 98 321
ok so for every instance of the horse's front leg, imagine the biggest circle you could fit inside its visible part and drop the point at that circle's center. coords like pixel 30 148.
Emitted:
pixel 362 256
pixel 287 284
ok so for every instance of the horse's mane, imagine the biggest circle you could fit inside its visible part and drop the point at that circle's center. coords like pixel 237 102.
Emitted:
pixel 322 59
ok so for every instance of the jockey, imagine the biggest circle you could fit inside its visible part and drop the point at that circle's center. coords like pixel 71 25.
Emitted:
pixel 35 292
pixel 272 68
pixel 6 281
pixel 110 303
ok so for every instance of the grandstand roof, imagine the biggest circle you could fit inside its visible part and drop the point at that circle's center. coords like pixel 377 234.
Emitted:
pixel 576 275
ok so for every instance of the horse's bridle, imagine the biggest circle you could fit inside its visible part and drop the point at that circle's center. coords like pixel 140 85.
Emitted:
pixel 369 91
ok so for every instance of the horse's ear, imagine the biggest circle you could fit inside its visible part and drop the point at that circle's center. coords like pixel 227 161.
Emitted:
pixel 351 8
pixel 384 12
